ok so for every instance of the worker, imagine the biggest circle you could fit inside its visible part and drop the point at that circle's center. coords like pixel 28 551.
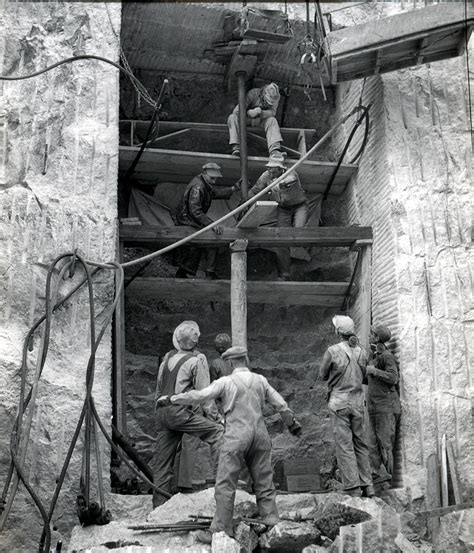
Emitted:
pixel 292 210
pixel 182 369
pixel 220 367
pixel 246 440
pixel 192 211
pixel 343 366
pixel 261 105
pixel 383 404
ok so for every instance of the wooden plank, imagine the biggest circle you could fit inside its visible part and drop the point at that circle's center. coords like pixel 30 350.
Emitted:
pixel 271 236
pixel 170 135
pixel 444 473
pixel 267 36
pixel 119 375
pixel 453 472
pixel 285 293
pixel 398 28
pixel 258 213
pixel 179 166
pixel 365 294
pixel 238 292
pixel 433 494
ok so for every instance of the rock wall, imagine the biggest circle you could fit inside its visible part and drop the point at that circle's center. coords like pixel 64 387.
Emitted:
pixel 413 187
pixel 58 171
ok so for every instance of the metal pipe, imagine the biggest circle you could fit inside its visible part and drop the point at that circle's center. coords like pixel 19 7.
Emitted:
pixel 243 134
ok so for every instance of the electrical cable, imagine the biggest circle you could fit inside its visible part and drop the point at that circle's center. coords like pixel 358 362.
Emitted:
pixel 239 208
pixel 346 147
pixel 129 74
pixel 95 341
pixel 467 64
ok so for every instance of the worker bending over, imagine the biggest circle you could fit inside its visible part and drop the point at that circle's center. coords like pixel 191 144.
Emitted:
pixel 384 405
pixel 246 440
pixel 292 210
pixel 344 367
pixel 182 369
pixel 261 105
pixel 192 211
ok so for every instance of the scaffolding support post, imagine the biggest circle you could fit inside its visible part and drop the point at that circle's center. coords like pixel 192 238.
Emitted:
pixel 241 76
pixel 238 292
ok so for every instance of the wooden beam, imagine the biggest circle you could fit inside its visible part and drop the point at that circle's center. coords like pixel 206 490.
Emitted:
pixel 327 294
pixel 271 236
pixel 267 36
pixel 258 213
pixel 444 473
pixel 170 135
pixel 238 292
pixel 119 373
pixel 302 143
pixel 181 166
pixel 365 293
pixel 453 472
pixel 420 55
pixel 432 500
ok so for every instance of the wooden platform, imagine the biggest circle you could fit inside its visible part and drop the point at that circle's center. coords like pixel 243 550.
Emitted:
pixel 158 165
pixel 408 39
pixel 328 294
pixel 262 236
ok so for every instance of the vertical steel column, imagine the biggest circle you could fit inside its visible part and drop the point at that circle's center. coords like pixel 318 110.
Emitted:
pixel 238 292
pixel 243 133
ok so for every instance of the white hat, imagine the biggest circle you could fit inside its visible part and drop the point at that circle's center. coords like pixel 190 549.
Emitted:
pixel 271 94
pixel 186 335
pixel 343 324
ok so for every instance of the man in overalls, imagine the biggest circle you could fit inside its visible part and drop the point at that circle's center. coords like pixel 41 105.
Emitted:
pixel 343 366
pixel 182 369
pixel 246 440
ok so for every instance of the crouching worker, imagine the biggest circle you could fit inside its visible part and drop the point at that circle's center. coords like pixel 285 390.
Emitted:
pixel 246 440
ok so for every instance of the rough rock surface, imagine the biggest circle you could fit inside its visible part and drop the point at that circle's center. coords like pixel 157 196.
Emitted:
pixel 52 203
pixel 413 186
pixel 288 537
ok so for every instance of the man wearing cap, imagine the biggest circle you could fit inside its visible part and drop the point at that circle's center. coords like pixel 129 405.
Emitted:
pixel 344 368
pixel 246 440
pixel 292 210
pixel 182 369
pixel 192 211
pixel 383 403
pixel 261 106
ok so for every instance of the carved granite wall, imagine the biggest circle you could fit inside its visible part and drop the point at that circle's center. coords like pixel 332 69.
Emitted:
pixel 413 186
pixel 58 180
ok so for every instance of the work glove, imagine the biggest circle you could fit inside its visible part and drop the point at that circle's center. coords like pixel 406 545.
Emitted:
pixel 163 401
pixel 253 113
pixel 218 230
pixel 295 428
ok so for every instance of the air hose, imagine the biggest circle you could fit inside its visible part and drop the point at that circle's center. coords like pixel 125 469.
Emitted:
pixel 95 341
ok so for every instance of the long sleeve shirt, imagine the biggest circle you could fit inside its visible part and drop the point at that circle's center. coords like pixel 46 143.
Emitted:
pixel 382 393
pixel 254 99
pixel 192 375
pixel 225 389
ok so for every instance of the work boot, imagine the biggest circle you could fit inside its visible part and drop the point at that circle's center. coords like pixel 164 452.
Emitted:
pixel 204 536
pixel 354 492
pixel 368 491
pixel 211 275
pixel 181 273
pixel 235 150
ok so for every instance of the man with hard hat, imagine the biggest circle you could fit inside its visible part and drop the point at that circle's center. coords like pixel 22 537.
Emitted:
pixel 246 440
pixel 261 105
pixel 383 403
pixel 182 369
pixel 192 211
pixel 344 368
pixel 292 210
